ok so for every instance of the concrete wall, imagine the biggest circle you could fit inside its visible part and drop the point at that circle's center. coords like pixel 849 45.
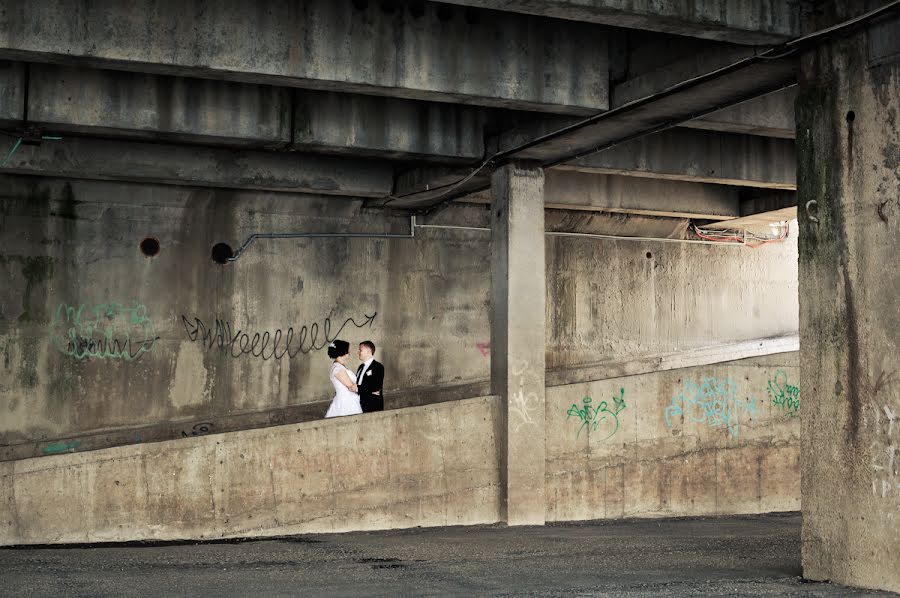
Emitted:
pixel 715 439
pixel 429 466
pixel 149 375
pixel 849 167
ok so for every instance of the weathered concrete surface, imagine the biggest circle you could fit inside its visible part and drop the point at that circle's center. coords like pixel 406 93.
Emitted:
pixel 771 115
pixel 628 298
pixel 387 127
pixel 427 466
pixel 849 166
pixel 713 439
pixel 700 156
pixel 134 161
pixel 116 103
pixel 77 243
pixel 591 192
pixel 518 311
pixel 12 92
pixel 723 556
pixel 735 21
pixel 407 50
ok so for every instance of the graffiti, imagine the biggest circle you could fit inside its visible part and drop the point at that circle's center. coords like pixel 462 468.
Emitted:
pixel 199 430
pixel 61 447
pixel 484 347
pixel 783 394
pixel 713 401
pixel 593 416
pixel 884 451
pixel 102 331
pixel 268 345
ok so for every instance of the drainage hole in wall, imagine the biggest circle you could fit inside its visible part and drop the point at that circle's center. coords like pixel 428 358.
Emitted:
pixel 851 116
pixel 150 246
pixel 649 255
pixel 221 252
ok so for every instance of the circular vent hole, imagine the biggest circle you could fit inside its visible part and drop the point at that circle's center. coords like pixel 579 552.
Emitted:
pixel 221 252
pixel 150 246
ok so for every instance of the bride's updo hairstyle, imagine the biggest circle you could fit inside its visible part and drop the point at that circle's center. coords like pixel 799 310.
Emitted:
pixel 338 348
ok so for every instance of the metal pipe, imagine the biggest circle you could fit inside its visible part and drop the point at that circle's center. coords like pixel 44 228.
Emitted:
pixel 588 235
pixel 410 235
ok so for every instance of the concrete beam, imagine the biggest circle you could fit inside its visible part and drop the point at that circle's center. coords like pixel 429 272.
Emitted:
pixel 771 115
pixel 12 92
pixel 418 50
pixel 190 110
pixel 139 105
pixel 700 156
pixel 641 104
pixel 734 21
pixel 387 127
pixel 105 159
pixel 580 191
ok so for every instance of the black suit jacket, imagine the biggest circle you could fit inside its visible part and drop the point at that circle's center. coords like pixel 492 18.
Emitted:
pixel 370 383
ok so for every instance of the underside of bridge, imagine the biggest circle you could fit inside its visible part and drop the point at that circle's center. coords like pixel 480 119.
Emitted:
pixel 571 229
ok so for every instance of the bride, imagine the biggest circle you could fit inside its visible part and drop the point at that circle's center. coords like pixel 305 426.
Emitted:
pixel 346 399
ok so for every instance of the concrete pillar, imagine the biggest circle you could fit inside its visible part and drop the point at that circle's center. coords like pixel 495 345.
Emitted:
pixel 848 142
pixel 517 336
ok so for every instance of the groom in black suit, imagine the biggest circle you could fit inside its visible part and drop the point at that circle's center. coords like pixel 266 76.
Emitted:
pixel 370 379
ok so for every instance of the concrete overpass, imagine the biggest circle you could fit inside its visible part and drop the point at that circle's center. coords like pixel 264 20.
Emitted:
pixel 534 208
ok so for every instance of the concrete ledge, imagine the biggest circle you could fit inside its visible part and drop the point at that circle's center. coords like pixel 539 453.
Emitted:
pixel 428 466
pixel 427 51
pixel 105 159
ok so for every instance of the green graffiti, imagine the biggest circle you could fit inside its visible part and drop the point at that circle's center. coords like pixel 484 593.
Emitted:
pixel 102 331
pixel 60 447
pixel 591 417
pixel 784 395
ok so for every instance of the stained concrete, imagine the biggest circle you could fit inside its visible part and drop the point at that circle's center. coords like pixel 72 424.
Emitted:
pixel 771 115
pixel 848 185
pixel 769 21
pixel 73 243
pixel 700 156
pixel 394 127
pixel 705 440
pixel 12 92
pixel 734 556
pixel 428 466
pixel 200 166
pixel 421 51
pixel 127 104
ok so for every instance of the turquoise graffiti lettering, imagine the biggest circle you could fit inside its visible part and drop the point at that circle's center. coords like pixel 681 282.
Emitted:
pixel 102 331
pixel 784 395
pixel 593 416
pixel 60 447
pixel 712 401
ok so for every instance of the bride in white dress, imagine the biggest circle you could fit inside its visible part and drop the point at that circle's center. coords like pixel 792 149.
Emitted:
pixel 346 399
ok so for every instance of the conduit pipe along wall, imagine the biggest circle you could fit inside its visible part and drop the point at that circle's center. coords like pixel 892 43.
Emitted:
pixel 412 235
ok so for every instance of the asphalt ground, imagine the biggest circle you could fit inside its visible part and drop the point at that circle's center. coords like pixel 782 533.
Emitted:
pixel 724 556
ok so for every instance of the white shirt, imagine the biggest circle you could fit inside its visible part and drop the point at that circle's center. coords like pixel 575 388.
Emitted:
pixel 365 369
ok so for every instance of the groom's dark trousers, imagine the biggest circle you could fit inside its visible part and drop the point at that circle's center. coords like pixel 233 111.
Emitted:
pixel 370 382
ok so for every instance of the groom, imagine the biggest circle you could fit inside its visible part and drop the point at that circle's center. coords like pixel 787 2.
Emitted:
pixel 369 379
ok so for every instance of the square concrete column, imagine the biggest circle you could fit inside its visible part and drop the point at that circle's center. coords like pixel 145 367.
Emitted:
pixel 848 171
pixel 517 336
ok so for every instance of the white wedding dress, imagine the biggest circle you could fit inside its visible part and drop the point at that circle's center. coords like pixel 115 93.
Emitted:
pixel 345 401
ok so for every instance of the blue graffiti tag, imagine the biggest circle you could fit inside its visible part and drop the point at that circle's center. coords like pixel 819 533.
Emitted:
pixel 713 401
